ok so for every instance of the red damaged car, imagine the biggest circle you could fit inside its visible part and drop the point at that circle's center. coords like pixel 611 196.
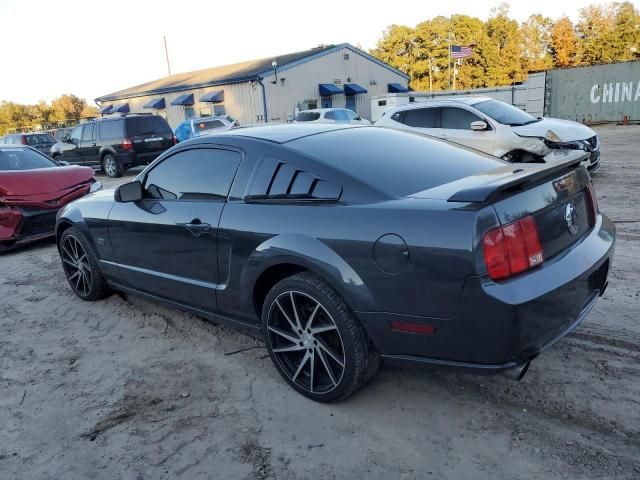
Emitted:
pixel 33 188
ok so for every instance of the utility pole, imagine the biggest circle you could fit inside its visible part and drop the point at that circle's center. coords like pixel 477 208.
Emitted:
pixel 166 54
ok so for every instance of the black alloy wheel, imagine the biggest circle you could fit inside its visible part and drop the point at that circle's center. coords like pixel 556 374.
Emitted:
pixel 316 344
pixel 81 267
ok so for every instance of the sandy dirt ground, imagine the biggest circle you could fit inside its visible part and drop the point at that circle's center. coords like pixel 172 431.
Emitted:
pixel 123 389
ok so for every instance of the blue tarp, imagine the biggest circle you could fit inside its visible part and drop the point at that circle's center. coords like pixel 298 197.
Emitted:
pixel 122 108
pixel 186 99
pixel 217 96
pixel 396 88
pixel 328 89
pixel 157 103
pixel 353 89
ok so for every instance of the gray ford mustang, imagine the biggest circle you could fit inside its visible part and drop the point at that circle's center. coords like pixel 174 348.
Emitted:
pixel 342 246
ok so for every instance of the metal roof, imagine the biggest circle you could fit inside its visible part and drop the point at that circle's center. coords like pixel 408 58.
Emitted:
pixel 227 74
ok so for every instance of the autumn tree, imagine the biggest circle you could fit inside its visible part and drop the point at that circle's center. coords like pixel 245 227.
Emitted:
pixel 536 43
pixel 564 43
pixel 68 107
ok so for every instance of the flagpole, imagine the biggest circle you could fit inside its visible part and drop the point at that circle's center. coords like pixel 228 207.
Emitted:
pixel 449 66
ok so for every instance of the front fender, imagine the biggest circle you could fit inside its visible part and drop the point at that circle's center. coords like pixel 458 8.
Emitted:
pixel 311 254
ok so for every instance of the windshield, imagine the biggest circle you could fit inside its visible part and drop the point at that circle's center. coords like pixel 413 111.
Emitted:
pixel 504 113
pixel 23 159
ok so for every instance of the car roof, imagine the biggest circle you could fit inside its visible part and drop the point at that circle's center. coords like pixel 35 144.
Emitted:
pixel 467 100
pixel 210 117
pixel 285 132
pixel 322 110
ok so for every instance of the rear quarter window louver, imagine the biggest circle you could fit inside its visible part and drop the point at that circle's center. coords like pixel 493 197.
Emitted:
pixel 278 180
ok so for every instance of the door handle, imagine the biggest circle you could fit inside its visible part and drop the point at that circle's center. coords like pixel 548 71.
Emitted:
pixel 196 227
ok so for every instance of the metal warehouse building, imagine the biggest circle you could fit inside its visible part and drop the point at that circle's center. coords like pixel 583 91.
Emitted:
pixel 269 89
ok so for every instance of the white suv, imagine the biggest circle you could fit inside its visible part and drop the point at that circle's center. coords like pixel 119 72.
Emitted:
pixel 494 127
pixel 330 115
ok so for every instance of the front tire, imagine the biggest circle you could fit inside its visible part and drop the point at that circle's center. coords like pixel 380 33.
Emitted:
pixel 315 342
pixel 111 167
pixel 81 266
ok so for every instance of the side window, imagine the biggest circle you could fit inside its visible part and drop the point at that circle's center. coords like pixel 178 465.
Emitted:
pixel 341 116
pixel 422 117
pixel 87 133
pixel 111 129
pixel 330 115
pixel 457 118
pixel 197 174
pixel 352 115
pixel 76 134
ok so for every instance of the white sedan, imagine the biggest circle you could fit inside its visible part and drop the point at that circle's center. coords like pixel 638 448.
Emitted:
pixel 330 115
pixel 494 127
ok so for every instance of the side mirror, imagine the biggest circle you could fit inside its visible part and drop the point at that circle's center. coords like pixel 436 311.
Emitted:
pixel 63 163
pixel 66 137
pixel 358 118
pixel 479 126
pixel 128 192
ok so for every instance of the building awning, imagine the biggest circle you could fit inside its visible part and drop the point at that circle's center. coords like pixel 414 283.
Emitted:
pixel 396 88
pixel 186 99
pixel 106 110
pixel 353 89
pixel 122 108
pixel 217 96
pixel 328 89
pixel 157 103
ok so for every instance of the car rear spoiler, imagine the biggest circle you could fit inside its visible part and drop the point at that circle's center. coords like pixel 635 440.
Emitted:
pixel 517 177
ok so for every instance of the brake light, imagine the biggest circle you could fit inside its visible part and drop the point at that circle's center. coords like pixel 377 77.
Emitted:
pixel 127 144
pixel 24 139
pixel 512 248
pixel 593 202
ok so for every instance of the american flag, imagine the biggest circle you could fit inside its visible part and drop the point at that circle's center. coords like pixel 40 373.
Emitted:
pixel 461 52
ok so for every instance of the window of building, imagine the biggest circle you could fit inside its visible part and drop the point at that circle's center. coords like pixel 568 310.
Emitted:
pixel 189 113
pixel 205 111
pixel 345 56
pixel 219 109
pixel 197 174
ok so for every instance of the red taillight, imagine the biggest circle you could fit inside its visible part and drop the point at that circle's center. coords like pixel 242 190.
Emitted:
pixel 593 202
pixel 175 140
pixel 126 144
pixel 512 248
pixel 24 139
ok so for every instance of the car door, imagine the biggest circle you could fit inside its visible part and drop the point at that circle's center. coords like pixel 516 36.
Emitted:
pixel 166 244
pixel 455 126
pixel 70 148
pixel 88 146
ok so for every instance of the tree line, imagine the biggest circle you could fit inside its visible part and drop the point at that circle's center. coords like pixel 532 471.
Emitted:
pixel 61 111
pixel 504 51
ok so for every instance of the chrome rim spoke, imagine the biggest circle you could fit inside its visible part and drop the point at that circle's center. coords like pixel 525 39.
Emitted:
pixel 284 335
pixel 326 366
pixel 77 265
pixel 302 363
pixel 312 358
pixel 328 351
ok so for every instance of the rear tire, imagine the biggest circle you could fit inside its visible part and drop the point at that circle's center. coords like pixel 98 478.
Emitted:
pixel 111 167
pixel 314 341
pixel 81 266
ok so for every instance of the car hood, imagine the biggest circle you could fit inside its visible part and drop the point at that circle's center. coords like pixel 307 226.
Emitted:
pixel 43 180
pixel 565 129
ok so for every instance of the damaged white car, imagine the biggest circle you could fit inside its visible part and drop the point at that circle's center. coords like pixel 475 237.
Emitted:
pixel 496 128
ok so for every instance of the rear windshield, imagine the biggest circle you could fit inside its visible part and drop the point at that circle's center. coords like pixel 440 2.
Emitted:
pixel 202 126
pixel 23 159
pixel 307 116
pixel 147 125
pixel 39 139
pixel 400 163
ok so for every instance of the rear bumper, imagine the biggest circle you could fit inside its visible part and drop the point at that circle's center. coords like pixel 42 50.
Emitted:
pixel 133 159
pixel 500 325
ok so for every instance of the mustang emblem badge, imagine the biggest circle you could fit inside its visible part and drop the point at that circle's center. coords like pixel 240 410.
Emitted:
pixel 571 217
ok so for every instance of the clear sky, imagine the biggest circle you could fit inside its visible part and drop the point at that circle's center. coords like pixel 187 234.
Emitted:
pixel 94 47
